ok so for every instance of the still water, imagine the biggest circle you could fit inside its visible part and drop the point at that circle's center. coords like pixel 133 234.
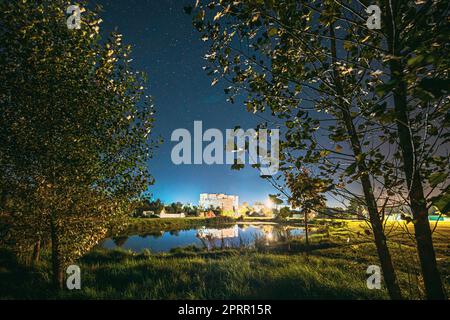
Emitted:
pixel 235 236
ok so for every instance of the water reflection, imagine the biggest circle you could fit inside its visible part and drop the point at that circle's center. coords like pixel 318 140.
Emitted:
pixel 120 241
pixel 236 236
pixel 208 233
pixel 223 238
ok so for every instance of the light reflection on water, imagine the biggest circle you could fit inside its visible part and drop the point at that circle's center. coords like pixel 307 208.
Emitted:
pixel 238 235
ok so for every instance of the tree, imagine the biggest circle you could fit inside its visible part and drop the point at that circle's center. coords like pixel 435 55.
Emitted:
pixel 417 83
pixel 190 210
pixel 174 207
pixel 156 206
pixel 286 57
pixel 244 209
pixel 356 208
pixel 442 202
pixel 74 127
pixel 284 213
pixel 218 211
pixel 307 194
pixel 388 90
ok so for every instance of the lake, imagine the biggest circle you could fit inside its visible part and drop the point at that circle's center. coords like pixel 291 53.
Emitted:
pixel 235 236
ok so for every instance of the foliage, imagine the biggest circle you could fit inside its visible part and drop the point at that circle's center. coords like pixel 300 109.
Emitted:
pixel 326 78
pixel 284 213
pixel 307 192
pixel 174 207
pixel 357 106
pixel 148 205
pixel 74 126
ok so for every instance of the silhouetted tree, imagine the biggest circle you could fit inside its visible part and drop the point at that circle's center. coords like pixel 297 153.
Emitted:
pixel 74 126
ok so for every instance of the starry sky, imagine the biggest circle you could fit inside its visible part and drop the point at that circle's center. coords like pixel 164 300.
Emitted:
pixel 170 51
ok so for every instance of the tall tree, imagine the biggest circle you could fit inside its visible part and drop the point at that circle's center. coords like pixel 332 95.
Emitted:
pixel 74 126
pixel 292 62
pixel 418 85
pixel 307 193
pixel 383 92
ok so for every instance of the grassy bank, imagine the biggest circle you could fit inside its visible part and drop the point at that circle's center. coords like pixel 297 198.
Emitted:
pixel 335 269
pixel 193 275
pixel 153 225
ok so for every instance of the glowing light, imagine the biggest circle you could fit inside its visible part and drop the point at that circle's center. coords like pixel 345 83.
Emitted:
pixel 269 203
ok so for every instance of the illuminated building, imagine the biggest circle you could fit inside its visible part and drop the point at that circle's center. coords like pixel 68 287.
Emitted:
pixel 227 203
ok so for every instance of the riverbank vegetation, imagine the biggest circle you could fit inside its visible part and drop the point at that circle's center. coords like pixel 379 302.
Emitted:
pixel 150 225
pixel 334 268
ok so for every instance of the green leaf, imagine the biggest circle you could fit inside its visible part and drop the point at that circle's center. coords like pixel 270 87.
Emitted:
pixel 351 169
pixel 437 178
pixel 385 88
pixel 415 60
pixel 272 32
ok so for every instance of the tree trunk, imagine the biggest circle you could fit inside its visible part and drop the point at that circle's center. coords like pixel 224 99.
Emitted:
pixel 306 233
pixel 4 195
pixel 390 278
pixel 433 283
pixel 36 252
pixel 288 236
pixel 57 276
pixel 384 255
pixel 418 203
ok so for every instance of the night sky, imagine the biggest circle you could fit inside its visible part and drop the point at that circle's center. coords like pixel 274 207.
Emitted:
pixel 169 50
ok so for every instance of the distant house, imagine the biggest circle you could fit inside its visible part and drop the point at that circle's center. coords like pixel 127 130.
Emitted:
pixel 207 214
pixel 147 214
pixel 171 215
pixel 164 214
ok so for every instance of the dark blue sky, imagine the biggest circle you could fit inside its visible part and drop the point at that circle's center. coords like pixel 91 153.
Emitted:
pixel 169 50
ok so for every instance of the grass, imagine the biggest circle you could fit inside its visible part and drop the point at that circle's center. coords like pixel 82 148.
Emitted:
pixel 334 269
pixel 219 275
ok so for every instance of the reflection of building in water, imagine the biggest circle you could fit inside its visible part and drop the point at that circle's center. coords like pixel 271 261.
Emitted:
pixel 218 233
pixel 219 200
pixel 275 233
pixel 268 232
